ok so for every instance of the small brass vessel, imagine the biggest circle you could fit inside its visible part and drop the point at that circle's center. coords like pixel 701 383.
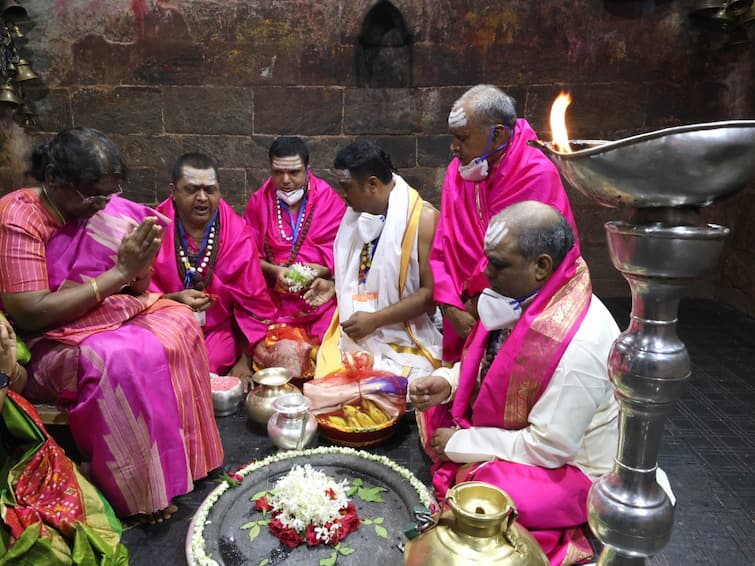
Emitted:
pixel 476 526
pixel 271 384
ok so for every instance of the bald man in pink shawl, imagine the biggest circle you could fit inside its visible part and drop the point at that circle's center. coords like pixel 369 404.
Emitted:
pixel 530 408
pixel 492 168
pixel 295 218
pixel 209 261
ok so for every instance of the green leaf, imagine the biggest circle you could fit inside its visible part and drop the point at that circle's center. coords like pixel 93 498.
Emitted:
pixel 259 494
pixel 366 521
pixel 264 522
pixel 352 491
pixel 357 482
pixel 225 477
pixel 330 560
pixel 381 531
pixel 254 532
pixel 264 562
pixel 248 525
pixel 345 550
pixel 372 494
pixel 378 520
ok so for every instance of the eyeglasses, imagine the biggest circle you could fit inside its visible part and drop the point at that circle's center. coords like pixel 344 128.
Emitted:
pixel 100 199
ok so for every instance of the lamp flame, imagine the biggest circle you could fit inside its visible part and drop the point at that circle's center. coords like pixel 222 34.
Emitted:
pixel 558 122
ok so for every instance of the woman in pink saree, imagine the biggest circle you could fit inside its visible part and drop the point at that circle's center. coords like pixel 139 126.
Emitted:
pixel 130 367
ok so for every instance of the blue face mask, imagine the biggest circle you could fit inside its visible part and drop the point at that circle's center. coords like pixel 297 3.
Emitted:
pixel 477 169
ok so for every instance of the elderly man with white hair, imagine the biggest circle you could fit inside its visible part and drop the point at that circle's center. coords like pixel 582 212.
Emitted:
pixel 530 408
pixel 493 167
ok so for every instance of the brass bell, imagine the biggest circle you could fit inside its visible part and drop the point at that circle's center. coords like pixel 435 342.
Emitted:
pixel 24 72
pixel 8 95
pixel 737 8
pixel 12 10
pixel 16 31
pixel 704 10
pixel 722 19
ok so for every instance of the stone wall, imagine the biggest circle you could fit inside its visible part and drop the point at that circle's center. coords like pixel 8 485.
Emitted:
pixel 227 76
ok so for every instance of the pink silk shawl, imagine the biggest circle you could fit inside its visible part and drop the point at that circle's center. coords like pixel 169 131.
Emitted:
pixel 457 256
pixel 243 302
pixel 326 210
pixel 525 363
pixel 552 502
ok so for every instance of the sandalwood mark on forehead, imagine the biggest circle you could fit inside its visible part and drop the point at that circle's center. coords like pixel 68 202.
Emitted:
pixel 288 163
pixel 199 177
pixel 457 118
pixel 495 234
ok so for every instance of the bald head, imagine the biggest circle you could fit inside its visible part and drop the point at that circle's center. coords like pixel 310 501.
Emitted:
pixel 483 105
pixel 537 227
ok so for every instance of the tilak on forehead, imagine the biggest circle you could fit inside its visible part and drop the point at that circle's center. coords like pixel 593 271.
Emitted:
pixel 495 233
pixel 288 163
pixel 199 177
pixel 343 175
pixel 457 118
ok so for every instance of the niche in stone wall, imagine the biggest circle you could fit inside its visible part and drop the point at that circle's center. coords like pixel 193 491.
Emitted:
pixel 384 50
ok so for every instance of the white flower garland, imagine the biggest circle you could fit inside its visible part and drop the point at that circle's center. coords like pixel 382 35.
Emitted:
pixel 200 519
pixel 301 497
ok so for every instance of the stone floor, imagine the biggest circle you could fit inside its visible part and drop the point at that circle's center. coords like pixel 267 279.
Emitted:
pixel 708 450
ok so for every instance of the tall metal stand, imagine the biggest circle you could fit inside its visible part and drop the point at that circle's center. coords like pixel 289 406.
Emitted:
pixel 648 365
pixel 665 176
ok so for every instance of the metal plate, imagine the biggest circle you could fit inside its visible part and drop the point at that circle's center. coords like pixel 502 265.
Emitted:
pixel 226 543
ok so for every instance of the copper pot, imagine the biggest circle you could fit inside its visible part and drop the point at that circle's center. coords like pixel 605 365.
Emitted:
pixel 271 384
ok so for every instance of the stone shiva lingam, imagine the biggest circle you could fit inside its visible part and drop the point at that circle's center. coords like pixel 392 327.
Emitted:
pixel 665 177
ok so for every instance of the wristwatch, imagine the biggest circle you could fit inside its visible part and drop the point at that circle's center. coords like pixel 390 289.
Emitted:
pixel 5 380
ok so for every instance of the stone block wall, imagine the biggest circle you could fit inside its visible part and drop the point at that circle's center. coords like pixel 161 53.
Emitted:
pixel 227 76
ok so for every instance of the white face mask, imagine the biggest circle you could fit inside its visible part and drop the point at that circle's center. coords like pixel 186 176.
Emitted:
pixel 475 171
pixel 291 197
pixel 370 226
pixel 498 312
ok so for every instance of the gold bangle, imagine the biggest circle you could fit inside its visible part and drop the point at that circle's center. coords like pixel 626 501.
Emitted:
pixel 96 290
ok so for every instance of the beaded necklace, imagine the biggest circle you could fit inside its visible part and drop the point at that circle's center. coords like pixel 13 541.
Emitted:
pixel 301 236
pixel 495 341
pixel 196 269
pixel 365 259
pixel 295 226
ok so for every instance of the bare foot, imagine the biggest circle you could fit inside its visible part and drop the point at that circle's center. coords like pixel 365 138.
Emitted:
pixel 157 516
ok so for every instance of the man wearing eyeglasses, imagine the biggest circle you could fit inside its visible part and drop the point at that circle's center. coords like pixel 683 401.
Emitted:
pixel 210 262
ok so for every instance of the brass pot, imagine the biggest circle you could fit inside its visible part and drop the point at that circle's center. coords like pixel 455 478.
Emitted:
pixel 271 384
pixel 477 526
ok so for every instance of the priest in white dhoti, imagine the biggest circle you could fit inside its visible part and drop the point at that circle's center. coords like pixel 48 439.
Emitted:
pixel 383 281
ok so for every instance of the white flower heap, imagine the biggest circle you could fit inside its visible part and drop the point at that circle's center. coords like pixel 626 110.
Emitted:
pixel 299 276
pixel 306 495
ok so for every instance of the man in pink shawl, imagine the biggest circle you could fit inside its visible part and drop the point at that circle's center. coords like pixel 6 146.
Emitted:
pixel 129 366
pixel 530 408
pixel 492 168
pixel 295 218
pixel 210 262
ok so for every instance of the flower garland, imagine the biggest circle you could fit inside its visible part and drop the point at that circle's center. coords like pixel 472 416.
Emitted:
pixel 198 553
pixel 308 506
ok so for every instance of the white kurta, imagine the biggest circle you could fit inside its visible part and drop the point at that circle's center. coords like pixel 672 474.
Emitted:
pixel 575 421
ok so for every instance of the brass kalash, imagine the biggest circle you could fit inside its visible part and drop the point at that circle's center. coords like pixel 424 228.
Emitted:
pixel 665 177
